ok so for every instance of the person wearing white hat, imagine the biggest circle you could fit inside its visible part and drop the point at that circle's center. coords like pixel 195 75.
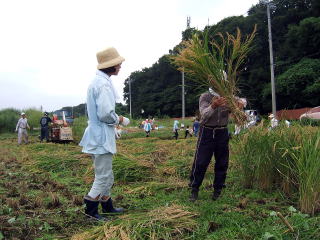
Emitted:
pixel 99 137
pixel 21 128
pixel 273 121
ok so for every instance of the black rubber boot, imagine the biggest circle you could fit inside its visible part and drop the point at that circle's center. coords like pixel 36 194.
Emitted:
pixel 91 209
pixel 216 194
pixel 107 207
pixel 194 195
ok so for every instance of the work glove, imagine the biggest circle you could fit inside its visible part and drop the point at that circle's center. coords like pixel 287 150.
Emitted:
pixel 125 121
pixel 117 132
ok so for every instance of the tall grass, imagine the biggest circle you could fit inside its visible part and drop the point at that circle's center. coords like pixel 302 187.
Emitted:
pixel 10 116
pixel 307 171
pixel 78 127
pixel 8 119
pixel 284 158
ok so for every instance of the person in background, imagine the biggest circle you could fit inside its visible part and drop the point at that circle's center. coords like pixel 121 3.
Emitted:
pixel 147 127
pixel 196 126
pixel 273 122
pixel 176 129
pixel 188 132
pixel 99 138
pixel 242 103
pixel 288 123
pixel 44 122
pixel 213 140
pixel 21 128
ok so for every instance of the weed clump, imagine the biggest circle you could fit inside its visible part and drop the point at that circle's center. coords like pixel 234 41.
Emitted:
pixel 54 200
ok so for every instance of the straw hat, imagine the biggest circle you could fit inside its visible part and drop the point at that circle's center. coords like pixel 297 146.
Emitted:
pixel 108 58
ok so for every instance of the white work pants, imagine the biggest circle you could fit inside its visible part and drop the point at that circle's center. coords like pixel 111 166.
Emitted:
pixel 103 179
pixel 22 135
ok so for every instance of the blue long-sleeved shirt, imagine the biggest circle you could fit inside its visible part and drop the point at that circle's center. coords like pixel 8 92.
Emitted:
pixel 99 136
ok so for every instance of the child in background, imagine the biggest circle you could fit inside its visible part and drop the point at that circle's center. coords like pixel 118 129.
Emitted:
pixel 188 132
pixel 196 126
pixel 175 129
pixel 147 127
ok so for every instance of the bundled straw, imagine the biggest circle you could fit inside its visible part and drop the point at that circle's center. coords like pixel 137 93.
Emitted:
pixel 170 222
pixel 216 64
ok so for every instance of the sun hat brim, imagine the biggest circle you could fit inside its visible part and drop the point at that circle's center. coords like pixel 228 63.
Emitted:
pixel 111 63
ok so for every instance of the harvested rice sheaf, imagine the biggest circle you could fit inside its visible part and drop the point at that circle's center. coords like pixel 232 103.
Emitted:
pixel 216 63
pixel 169 222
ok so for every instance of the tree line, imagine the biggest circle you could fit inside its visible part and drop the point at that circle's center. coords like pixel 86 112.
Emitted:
pixel 296 39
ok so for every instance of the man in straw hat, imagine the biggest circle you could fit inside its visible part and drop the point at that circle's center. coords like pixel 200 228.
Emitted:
pixel 21 128
pixel 99 137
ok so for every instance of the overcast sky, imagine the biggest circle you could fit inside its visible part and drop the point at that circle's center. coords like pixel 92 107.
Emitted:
pixel 48 48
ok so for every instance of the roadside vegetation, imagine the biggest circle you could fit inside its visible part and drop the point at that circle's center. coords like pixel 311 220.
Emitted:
pixel 271 174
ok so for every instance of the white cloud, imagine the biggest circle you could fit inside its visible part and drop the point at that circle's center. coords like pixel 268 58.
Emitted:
pixel 48 47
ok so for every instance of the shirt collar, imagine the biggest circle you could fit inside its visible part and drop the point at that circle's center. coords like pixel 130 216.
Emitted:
pixel 107 77
pixel 102 74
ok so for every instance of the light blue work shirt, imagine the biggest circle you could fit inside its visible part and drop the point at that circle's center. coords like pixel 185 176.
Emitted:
pixel 175 125
pixel 99 136
pixel 147 127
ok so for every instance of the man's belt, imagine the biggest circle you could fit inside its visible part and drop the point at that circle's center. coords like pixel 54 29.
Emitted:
pixel 22 127
pixel 215 127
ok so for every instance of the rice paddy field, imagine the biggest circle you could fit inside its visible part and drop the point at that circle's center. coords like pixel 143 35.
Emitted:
pixel 272 187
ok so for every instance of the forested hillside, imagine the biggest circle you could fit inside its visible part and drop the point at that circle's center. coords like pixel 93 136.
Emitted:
pixel 296 41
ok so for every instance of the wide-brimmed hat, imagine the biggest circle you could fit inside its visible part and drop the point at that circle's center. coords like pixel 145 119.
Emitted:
pixel 108 58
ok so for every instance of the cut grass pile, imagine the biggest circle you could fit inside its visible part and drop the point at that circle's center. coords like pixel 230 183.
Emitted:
pixel 169 222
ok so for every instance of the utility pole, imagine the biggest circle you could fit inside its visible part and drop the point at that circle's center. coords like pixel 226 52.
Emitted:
pixel 183 101
pixel 270 5
pixel 182 73
pixel 130 97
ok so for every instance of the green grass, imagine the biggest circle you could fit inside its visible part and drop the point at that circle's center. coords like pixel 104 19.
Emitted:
pixel 150 173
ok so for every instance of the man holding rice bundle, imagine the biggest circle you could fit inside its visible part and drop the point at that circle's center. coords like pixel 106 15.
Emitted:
pixel 214 64
pixel 213 139
pixel 99 137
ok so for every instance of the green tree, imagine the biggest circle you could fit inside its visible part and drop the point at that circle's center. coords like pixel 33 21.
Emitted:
pixel 299 86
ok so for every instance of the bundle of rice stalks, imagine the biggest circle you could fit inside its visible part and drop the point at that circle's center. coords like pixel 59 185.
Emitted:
pixel 170 222
pixel 216 64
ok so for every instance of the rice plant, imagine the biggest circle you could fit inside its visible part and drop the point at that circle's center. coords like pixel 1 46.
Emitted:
pixel 307 171
pixel 285 159
pixel 216 63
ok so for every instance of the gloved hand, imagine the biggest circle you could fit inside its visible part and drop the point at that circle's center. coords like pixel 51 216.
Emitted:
pixel 117 132
pixel 125 121
pixel 218 102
